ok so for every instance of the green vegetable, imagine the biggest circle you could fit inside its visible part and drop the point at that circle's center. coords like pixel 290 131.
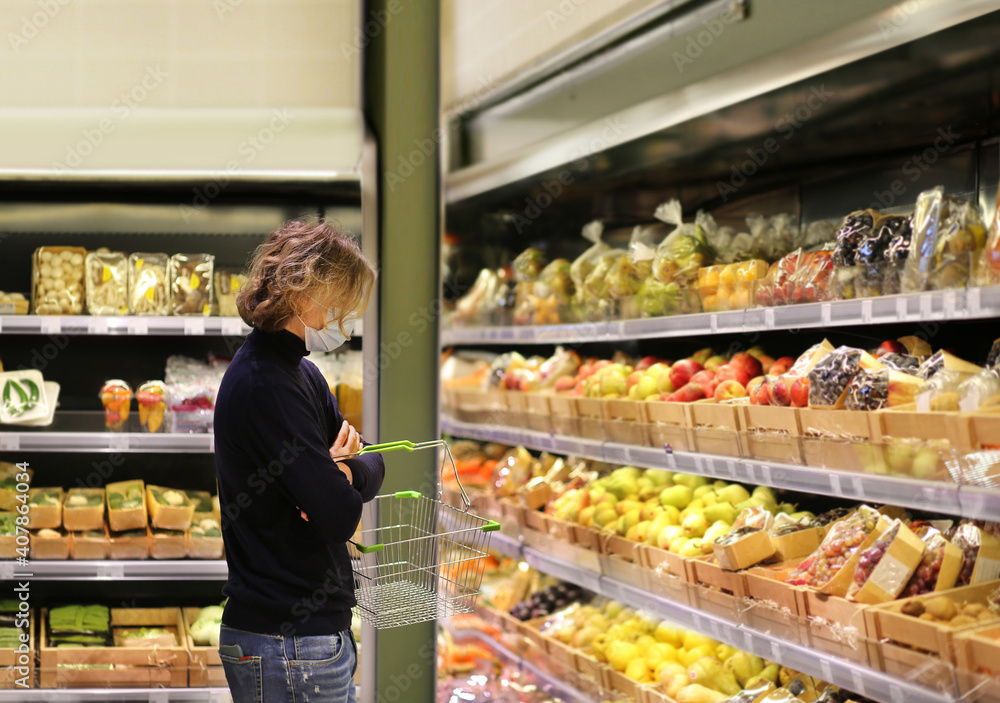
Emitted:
pixel 144 632
pixel 10 637
pixel 129 501
pixel 205 630
pixel 44 498
pixel 8 526
pixel 89 619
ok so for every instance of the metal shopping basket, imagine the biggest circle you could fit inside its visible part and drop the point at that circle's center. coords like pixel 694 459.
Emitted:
pixel 425 560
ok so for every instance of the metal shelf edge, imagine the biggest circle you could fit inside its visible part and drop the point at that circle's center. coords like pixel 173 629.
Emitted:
pixel 112 570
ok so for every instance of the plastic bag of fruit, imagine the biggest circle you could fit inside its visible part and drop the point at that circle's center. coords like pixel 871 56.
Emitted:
pixel 777 288
pixel 948 235
pixel 812 281
pixel 939 567
pixel 831 376
pixel 528 265
pixel 772 237
pixel 988 270
pixel 980 552
pixel 631 271
pixel 893 235
pixel 941 391
pixel 854 231
pixel 884 568
pixel 843 540
pixel 980 391
pixel 684 250
pixel 583 266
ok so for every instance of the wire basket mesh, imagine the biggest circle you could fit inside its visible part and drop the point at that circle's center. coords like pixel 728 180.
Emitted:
pixel 424 561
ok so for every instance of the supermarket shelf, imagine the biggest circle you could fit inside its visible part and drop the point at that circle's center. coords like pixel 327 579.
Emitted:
pixel 952 499
pixel 550 684
pixel 118 442
pixel 146 570
pixel 974 303
pixel 851 675
pixel 135 326
pixel 120 695
pixel 505 544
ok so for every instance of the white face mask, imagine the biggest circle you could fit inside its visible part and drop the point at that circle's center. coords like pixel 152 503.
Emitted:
pixel 330 337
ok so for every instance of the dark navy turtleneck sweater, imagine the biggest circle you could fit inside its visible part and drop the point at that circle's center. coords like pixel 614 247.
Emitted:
pixel 275 420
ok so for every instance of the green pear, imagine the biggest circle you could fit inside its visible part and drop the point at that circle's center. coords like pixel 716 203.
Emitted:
pixel 604 516
pixel 744 666
pixel 691 548
pixel 659 477
pixel 802 515
pixel 702 490
pixel 690 480
pixel 733 493
pixel 725 512
pixel 787 508
pixel 678 496
pixel 765 493
pixel 716 530
pixel 667 535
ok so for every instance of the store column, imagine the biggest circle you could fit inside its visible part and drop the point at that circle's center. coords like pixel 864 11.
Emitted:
pixel 402 108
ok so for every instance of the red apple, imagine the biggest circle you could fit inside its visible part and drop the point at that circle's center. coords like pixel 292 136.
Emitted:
pixel 633 378
pixel 682 371
pixel 733 372
pixel 890 346
pixel 750 365
pixel 781 365
pixel 728 390
pixel 647 361
pixel 781 392
pixel 690 393
pixel 666 397
pixel 800 392
pixel 753 388
pixel 565 383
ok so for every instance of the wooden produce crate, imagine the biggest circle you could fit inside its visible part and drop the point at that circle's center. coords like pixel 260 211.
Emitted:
pixel 83 517
pixel 19 666
pixel 559 529
pixel 670 425
pixel 205 665
pixel 839 439
pixel 588 666
pixel 517 409
pixel 750 550
pixel 512 511
pixel 927 670
pixel 766 583
pixel 978 433
pixel 625 549
pixel 588 538
pixel 978 650
pixel 772 447
pixel 89 547
pixel 772 419
pixel 720 416
pixel 715 602
pixel 592 414
pixel 797 545
pixel 836 625
pixel 165 544
pixel 139 667
pixel 565 420
pixel 772 605
pixel 40 516
pixel 706 571
pixel 54 548
pixel 539 415
pixel 479 406
pixel 617 681
pixel 667 562
pixel 562 653
pixel 531 629
pixel 129 547
pixel 535 520
pixel 626 422
pixel 887 622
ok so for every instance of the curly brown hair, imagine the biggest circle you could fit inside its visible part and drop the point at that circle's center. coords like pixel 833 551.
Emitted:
pixel 303 258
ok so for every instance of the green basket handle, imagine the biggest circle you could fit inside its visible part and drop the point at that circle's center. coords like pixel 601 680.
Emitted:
pixel 384 447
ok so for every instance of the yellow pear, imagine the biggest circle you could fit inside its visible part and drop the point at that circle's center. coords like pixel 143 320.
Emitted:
pixel 725 653
pixel 770 673
pixel 716 530
pixel 674 683
pixel 619 654
pixel 694 639
pixel 644 642
pixel 709 672
pixel 666 669
pixel 612 608
pixel 587 516
pixel 691 548
pixel 599 646
pixel 667 633
pixel 639 670
pixel 745 666
pixel 583 637
pixel 660 652
pixel 667 535
pixel 696 693
pixel 677 543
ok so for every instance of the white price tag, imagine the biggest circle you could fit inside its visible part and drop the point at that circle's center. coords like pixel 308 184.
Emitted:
pixel 232 327
pixel 824 666
pixel 194 326
pixel 775 652
pixel 50 324
pixel 10 442
pixel 824 313
pixel 859 682
pixel 731 469
pixel 926 305
pixel 118 442
pixel 949 298
pixel 902 308
pixel 714 322
pixel 699 465
pixel 866 311
pixel 748 640
pixel 765 471
pixel 671 461
pixel 138 325
pixel 973 301
pixel 835 484
pixel 97 325
pixel 859 486
pixel 769 318
pixel 159 696
pixel 110 570
pixel 896 694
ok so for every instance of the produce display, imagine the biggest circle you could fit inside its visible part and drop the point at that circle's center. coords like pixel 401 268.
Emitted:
pixel 205 630
pixel 944 610
pixel 80 626
pixel 13 303
pixel 151 398
pixel 58 274
pixel 116 395
pixel 227 286
pixel 548 600
pixel 192 287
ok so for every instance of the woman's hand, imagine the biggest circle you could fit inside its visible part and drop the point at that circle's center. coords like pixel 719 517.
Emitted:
pixel 348 442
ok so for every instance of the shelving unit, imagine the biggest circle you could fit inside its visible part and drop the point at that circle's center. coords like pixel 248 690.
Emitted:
pixel 118 695
pixel 130 325
pixel 968 304
pixel 966 501
pixel 120 442
pixel 145 570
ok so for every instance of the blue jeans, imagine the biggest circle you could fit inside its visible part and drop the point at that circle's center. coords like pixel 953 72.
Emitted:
pixel 275 669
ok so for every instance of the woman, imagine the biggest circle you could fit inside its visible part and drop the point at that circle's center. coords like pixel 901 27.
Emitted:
pixel 288 507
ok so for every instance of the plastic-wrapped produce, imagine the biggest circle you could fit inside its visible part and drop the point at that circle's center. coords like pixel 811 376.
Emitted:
pixel 151 398
pixel 116 395
pixel 980 552
pixel 227 286
pixel 627 275
pixel 940 566
pixel 843 540
pixel 773 237
pixel 948 233
pixel 989 261
pixel 528 266
pixel 58 273
pixel 191 284
pixel 147 284
pixel 778 288
pixel 684 250
pixel 856 228
pixel 868 390
pixel 830 377
pixel 556 280
pixel 107 283
pixel 899 231
pixel 813 277
pixel 584 265
pixel 901 362
pixel 884 569
pixel 979 391
pixel 941 392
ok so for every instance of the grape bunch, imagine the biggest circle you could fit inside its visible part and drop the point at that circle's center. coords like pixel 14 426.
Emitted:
pixel 925 578
pixel 967 538
pixel 830 376
pixel 869 390
pixel 548 600
pixel 870 557
pixel 840 545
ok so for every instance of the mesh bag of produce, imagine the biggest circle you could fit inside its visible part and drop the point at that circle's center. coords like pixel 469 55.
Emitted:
pixel 528 266
pixel 980 552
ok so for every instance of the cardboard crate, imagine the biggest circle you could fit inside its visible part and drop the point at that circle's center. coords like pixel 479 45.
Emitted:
pixel 771 419
pixel 719 442
pixel 653 693
pixel 796 546
pixel 564 416
pixel 592 414
pixel 745 552
pixel 887 622
pixel 628 572
pixel 55 548
pixel 978 650
pixel 670 424
pixel 205 666
pixel 139 666
pixel 922 668
pixel 539 415
pixel 120 519
pixel 720 416
pixel 9 661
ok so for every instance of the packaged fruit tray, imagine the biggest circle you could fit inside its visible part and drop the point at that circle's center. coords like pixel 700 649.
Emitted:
pixel 929 622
